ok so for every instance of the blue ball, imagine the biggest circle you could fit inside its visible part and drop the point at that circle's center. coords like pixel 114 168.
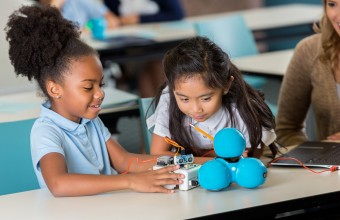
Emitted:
pixel 229 142
pixel 214 175
pixel 251 172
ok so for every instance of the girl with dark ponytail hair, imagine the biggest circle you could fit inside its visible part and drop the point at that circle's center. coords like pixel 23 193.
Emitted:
pixel 204 88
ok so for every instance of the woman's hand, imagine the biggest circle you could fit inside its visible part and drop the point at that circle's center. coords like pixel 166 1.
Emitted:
pixel 334 137
pixel 154 181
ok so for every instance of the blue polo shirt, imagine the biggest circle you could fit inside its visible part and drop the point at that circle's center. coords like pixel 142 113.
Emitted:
pixel 81 11
pixel 83 145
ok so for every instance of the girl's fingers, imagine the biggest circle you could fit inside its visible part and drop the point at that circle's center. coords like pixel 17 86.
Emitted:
pixel 168 169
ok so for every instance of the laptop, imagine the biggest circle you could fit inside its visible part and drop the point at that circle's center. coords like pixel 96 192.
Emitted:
pixel 312 154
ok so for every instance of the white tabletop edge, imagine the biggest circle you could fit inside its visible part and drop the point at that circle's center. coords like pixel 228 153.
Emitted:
pixel 282 184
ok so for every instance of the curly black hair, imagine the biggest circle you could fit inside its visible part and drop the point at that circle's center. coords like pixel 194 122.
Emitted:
pixel 42 43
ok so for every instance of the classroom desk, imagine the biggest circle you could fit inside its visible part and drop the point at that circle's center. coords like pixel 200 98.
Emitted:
pixel 162 36
pixel 285 189
pixel 264 18
pixel 273 64
pixel 26 105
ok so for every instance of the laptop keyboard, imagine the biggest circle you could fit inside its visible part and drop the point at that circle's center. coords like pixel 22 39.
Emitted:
pixel 331 157
pixel 323 154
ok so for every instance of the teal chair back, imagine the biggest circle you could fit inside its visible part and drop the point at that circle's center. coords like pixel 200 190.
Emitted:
pixel 16 168
pixel 146 109
pixel 232 34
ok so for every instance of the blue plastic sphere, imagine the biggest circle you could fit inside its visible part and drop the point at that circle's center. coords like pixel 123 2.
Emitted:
pixel 229 142
pixel 214 175
pixel 251 173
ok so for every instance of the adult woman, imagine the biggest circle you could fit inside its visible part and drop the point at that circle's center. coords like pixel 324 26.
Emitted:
pixel 313 79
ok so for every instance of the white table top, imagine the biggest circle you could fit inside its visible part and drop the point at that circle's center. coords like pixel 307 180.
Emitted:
pixel 274 16
pixel 26 105
pixel 282 184
pixel 268 63
pixel 257 19
pixel 158 32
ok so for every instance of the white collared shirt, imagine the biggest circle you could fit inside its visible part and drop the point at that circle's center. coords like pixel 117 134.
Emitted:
pixel 221 119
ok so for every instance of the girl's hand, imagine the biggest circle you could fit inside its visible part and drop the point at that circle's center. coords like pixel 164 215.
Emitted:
pixel 154 181
pixel 112 20
pixel 333 137
pixel 130 19
pixel 245 153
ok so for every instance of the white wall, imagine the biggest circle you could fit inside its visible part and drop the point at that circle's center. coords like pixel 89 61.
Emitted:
pixel 9 82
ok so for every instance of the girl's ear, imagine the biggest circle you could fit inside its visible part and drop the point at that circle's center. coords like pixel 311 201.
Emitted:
pixel 228 85
pixel 53 89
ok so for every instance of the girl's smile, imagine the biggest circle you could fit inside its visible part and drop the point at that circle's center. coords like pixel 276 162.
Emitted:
pixel 82 89
pixel 96 108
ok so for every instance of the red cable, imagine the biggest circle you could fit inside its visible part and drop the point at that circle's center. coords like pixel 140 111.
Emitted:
pixel 331 169
pixel 138 162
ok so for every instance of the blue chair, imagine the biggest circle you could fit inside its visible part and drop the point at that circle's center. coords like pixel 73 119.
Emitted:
pixel 16 168
pixel 232 34
pixel 146 109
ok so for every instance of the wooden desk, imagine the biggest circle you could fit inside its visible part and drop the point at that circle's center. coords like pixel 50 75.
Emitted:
pixel 285 189
pixel 21 106
pixel 272 64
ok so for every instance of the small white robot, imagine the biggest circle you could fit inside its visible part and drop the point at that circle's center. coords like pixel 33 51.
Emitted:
pixel 188 169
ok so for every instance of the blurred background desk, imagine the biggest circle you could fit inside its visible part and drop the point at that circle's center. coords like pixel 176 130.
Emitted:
pixel 285 190
pixel 159 37
pixel 117 104
pixel 162 36
pixel 271 64
pixel 279 26
pixel 257 19
pixel 275 17
pixel 26 105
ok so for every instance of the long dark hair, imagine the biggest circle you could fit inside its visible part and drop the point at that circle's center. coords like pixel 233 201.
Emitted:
pixel 201 56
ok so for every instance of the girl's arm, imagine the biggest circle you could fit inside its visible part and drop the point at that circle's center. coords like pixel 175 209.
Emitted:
pixel 160 147
pixel 61 183
pixel 123 161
